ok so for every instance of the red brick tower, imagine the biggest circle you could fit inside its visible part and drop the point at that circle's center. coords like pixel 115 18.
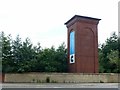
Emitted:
pixel 82 44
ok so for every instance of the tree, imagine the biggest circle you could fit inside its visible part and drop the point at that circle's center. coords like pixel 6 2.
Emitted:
pixel 0 51
pixel 61 57
pixel 119 54
pixel 47 60
pixel 52 60
pixel 17 54
pixel 7 61
pixel 113 57
pixel 105 61
pixel 28 55
pixel 24 55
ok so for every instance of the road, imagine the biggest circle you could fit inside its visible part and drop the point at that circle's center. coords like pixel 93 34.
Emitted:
pixel 60 85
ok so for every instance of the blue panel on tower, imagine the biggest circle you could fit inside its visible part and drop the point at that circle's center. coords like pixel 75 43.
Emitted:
pixel 72 47
pixel 72 43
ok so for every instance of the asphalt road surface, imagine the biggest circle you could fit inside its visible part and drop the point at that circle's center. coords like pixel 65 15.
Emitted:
pixel 60 85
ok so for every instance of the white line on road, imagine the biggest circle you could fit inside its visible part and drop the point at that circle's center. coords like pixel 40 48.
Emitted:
pixel 60 85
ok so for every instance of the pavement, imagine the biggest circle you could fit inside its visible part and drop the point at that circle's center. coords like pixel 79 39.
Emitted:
pixel 59 85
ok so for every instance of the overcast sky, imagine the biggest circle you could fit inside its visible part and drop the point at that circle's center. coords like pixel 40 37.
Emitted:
pixel 43 20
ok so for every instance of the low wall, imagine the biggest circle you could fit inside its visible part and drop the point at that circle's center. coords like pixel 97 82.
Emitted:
pixel 61 78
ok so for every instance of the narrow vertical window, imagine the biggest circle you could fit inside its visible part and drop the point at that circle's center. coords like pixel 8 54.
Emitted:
pixel 72 47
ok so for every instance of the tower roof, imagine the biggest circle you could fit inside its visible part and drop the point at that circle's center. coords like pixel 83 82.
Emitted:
pixel 79 16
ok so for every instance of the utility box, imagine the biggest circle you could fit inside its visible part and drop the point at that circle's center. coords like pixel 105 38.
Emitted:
pixel 82 44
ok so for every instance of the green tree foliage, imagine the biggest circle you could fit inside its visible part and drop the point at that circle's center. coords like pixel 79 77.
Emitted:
pixel 1 52
pixel 21 56
pixel 16 51
pixel 108 55
pixel 119 54
pixel 7 61
pixel 113 57
pixel 52 60
pixel 61 57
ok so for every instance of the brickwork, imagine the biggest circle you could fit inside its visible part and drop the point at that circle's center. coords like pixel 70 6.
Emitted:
pixel 86 44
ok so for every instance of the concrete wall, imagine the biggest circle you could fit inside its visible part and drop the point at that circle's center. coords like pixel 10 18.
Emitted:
pixel 61 78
